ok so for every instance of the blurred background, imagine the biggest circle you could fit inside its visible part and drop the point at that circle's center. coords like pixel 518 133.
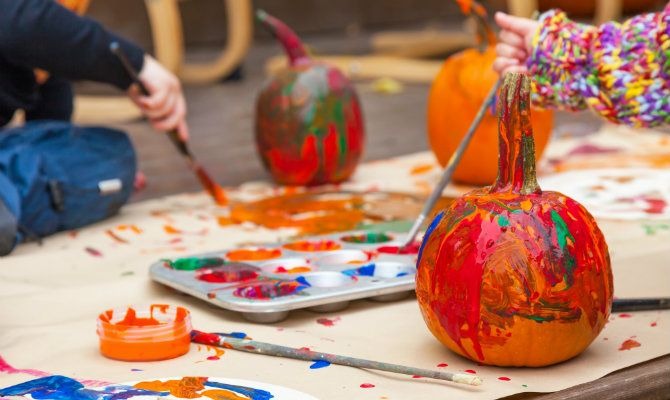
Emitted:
pixel 223 58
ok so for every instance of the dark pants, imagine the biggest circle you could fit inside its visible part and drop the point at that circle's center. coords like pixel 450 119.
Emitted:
pixel 55 101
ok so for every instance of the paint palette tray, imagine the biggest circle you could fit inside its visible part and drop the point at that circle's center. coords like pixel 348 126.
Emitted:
pixel 321 273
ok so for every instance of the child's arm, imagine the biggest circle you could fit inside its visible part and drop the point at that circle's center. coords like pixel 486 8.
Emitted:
pixel 43 34
pixel 620 71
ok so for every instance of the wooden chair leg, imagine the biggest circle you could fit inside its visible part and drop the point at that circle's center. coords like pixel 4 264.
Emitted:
pixel 166 28
pixel 240 36
pixel 522 8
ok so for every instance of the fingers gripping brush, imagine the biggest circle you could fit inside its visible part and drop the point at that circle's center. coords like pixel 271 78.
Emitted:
pixel 215 190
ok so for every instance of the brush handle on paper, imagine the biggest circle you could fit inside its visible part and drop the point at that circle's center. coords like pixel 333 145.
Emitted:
pixel 641 304
pixel 252 346
pixel 172 134
pixel 451 165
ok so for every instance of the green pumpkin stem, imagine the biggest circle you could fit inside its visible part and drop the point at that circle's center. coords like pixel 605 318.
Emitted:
pixel 516 160
pixel 295 50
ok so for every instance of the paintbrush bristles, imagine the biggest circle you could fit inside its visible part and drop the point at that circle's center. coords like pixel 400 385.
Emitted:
pixel 252 346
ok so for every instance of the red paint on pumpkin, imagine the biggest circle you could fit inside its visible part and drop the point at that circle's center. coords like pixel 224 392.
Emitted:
pixel 510 265
pixel 309 125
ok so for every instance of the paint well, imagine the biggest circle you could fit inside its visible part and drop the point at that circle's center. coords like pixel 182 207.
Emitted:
pixel 313 245
pixel 233 272
pixel 253 254
pixel 342 257
pixel 382 269
pixel 194 263
pixel 269 290
pixel 367 238
pixel 413 248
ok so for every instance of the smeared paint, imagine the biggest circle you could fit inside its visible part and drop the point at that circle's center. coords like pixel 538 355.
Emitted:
pixel 233 272
pixel 319 364
pixel 503 378
pixel 93 252
pixel 312 246
pixel 442 365
pixel 367 385
pixel 194 263
pixel 269 290
pixel 218 353
pixel 470 371
pixel 508 260
pixel 58 387
pixel 327 321
pixel 588 148
pixel 367 238
pixel 629 344
pixel 309 124
pixel 417 376
pixel 199 387
pixel 410 249
pixel 253 254
pixel 8 369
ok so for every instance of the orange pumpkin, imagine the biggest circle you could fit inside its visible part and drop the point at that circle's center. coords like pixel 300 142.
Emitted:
pixel 456 95
pixel 511 275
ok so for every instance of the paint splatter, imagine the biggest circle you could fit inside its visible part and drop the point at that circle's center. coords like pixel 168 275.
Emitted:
pixel 625 316
pixel 319 364
pixel 442 365
pixel 653 324
pixel 327 321
pixel 115 237
pixel 93 252
pixel 171 230
pixel 503 378
pixel 136 370
pixel 470 371
pixel 421 169
pixel 8 369
pixel 218 353
pixel 417 376
pixel 367 385
pixel 629 344
pixel 225 221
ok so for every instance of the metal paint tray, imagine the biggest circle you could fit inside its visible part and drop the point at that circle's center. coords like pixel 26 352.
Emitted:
pixel 320 273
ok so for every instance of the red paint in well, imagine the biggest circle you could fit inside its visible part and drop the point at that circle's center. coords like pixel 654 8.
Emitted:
pixel 411 249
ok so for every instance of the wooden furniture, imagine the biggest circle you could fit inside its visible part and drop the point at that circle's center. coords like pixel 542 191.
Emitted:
pixel 167 30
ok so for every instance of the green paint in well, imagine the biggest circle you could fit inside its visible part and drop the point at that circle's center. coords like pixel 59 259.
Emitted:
pixel 194 263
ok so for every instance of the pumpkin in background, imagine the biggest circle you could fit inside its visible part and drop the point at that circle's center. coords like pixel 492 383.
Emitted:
pixel 511 275
pixel 457 93
pixel 309 125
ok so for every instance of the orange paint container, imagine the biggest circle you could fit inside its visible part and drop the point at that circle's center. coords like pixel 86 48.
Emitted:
pixel 159 332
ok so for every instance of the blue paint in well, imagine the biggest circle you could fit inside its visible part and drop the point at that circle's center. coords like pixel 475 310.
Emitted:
pixel 365 270
pixel 319 364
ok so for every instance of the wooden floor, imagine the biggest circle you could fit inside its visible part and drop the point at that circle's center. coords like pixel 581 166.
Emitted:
pixel 221 119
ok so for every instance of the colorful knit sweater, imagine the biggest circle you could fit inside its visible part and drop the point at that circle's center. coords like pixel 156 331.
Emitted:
pixel 620 71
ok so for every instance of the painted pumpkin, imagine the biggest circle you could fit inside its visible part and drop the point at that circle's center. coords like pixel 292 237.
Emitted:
pixel 511 275
pixel 457 93
pixel 309 125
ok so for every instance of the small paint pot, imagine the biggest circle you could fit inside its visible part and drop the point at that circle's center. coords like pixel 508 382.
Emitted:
pixel 159 332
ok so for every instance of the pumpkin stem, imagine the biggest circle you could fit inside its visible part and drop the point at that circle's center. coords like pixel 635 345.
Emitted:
pixel 295 51
pixel 516 161
pixel 485 35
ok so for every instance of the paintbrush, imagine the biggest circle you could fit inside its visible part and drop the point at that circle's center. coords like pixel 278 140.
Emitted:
pixel 206 180
pixel 252 346
pixel 641 304
pixel 451 166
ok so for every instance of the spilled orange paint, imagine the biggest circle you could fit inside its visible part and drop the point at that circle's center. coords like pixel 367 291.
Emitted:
pixel 629 344
pixel 325 212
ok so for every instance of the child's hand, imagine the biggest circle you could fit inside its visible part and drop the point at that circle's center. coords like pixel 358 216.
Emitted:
pixel 165 107
pixel 515 43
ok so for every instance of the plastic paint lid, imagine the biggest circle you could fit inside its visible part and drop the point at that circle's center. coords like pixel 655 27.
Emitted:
pixel 157 332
